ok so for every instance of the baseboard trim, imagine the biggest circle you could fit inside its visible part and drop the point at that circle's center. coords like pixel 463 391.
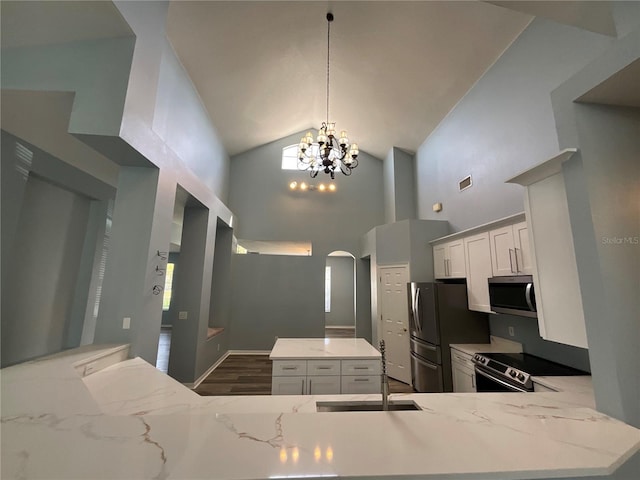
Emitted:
pixel 200 379
pixel 249 352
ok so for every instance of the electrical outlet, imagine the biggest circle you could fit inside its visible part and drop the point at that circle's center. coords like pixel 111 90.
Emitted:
pixel 89 368
pixel 126 323
pixel 512 332
pixel 183 315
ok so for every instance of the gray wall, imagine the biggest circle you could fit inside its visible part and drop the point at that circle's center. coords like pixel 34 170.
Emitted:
pixel 404 242
pixel 399 186
pixel 38 299
pixel 503 126
pixel 220 308
pixel 276 296
pixel 268 210
pixel 342 290
pixel 526 332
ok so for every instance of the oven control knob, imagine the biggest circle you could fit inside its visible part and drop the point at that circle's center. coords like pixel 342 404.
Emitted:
pixel 521 377
pixel 512 373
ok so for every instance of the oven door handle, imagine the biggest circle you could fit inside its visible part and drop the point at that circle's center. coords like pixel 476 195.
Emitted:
pixel 501 382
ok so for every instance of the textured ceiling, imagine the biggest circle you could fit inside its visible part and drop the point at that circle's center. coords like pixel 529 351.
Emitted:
pixel 397 68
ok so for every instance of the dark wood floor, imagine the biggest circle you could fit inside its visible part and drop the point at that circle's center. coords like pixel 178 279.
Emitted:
pixel 340 332
pixel 251 375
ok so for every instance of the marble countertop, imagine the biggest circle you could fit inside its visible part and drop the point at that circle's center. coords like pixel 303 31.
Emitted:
pixel 323 348
pixel 130 421
pixel 497 345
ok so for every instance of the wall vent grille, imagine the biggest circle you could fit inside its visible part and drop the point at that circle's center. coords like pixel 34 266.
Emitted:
pixel 465 183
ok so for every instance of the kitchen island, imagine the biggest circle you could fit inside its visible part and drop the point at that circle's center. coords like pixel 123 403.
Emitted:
pixel 61 419
pixel 320 366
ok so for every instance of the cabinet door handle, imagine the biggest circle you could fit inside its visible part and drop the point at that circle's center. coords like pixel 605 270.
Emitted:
pixel 511 261
pixel 361 368
pixel 310 388
pixel 361 379
pixel 289 368
pixel 515 251
pixel 447 267
pixel 323 368
pixel 473 381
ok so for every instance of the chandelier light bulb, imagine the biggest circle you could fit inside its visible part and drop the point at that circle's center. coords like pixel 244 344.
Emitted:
pixel 303 186
pixel 332 187
pixel 321 187
pixel 293 185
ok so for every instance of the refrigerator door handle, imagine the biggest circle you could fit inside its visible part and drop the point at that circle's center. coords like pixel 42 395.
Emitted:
pixel 424 363
pixel 416 310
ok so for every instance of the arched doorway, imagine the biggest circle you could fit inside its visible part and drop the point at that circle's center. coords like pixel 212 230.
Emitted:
pixel 340 297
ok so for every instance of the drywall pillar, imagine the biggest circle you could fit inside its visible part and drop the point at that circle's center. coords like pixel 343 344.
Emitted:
pixel 399 186
pixel 191 290
pixel 141 228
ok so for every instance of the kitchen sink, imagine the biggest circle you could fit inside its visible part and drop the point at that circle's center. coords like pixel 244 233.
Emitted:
pixel 365 406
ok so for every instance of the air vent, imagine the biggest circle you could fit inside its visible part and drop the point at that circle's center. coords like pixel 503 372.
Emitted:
pixel 465 183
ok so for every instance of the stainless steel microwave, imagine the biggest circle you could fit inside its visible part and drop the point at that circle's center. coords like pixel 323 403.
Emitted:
pixel 513 295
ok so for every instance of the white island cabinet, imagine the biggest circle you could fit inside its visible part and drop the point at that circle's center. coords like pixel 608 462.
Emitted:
pixel 321 366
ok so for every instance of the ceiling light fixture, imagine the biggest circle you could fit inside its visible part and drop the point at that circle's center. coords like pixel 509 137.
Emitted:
pixel 304 187
pixel 328 153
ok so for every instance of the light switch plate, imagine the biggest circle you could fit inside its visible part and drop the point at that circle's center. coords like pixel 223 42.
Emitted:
pixel 126 323
pixel 183 315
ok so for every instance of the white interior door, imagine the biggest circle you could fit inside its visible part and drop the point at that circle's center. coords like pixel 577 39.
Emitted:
pixel 395 321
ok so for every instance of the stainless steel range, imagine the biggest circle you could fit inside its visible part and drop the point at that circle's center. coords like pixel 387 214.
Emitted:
pixel 512 372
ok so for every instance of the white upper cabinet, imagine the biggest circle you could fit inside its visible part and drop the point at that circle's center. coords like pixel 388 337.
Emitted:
pixel 510 254
pixel 478 259
pixel 448 260
pixel 555 274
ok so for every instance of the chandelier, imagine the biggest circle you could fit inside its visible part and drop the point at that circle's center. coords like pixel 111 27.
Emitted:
pixel 328 153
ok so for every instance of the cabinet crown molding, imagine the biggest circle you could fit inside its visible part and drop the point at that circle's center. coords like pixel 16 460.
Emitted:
pixel 543 170
pixel 511 219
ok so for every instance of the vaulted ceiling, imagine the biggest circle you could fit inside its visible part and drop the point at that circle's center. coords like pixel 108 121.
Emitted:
pixel 397 68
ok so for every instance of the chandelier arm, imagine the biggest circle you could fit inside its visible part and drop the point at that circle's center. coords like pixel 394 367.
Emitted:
pixel 345 169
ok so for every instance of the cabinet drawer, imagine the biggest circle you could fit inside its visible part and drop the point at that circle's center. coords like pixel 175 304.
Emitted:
pixel 361 384
pixel 463 358
pixel 361 367
pixel 323 367
pixel 283 368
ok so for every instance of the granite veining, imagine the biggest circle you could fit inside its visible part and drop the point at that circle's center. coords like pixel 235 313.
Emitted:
pixel 130 421
pixel 323 348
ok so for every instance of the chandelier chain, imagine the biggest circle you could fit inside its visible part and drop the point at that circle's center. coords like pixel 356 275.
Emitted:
pixel 328 47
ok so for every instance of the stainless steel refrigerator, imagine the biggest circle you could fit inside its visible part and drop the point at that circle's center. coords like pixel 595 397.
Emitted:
pixel 438 317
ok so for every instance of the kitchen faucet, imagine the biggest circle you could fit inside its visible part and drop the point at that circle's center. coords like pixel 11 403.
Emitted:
pixel 383 379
